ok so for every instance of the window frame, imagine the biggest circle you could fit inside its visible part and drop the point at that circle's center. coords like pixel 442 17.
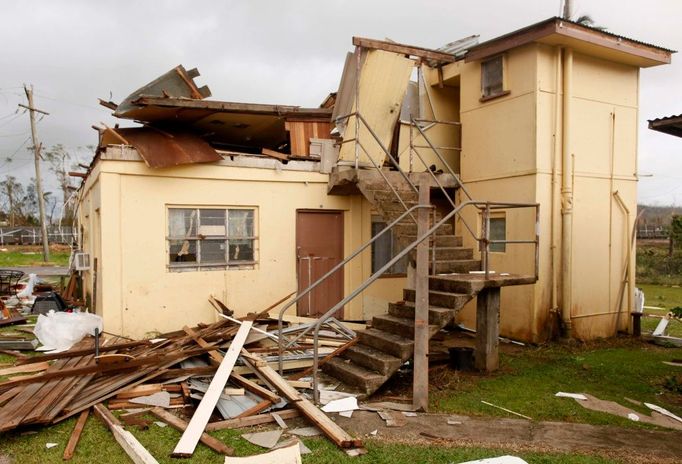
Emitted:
pixel 198 238
pixel 504 88
pixel 376 219
pixel 503 246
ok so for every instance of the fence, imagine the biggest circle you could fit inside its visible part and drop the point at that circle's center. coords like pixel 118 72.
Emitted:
pixel 652 232
pixel 33 236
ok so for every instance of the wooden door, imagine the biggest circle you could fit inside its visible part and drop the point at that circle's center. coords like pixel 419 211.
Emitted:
pixel 319 247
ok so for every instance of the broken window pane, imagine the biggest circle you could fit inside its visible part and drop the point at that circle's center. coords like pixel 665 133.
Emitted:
pixel 212 222
pixel 182 222
pixel 213 252
pixel 183 251
pixel 240 223
pixel 241 250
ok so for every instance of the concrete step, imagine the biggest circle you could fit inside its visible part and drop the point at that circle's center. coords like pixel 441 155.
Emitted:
pixel 388 195
pixel 392 344
pixel 462 266
pixel 410 230
pixel 399 325
pixel 352 374
pixel 443 284
pixel 373 359
pixel 443 299
pixel 437 315
pixel 450 253
pixel 441 240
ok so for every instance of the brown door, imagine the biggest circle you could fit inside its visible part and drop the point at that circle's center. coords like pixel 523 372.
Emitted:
pixel 319 247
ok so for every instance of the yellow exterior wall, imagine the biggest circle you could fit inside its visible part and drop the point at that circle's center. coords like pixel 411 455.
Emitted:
pixel 138 295
pixel 510 154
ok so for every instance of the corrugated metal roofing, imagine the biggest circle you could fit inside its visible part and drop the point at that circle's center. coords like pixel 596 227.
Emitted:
pixel 669 125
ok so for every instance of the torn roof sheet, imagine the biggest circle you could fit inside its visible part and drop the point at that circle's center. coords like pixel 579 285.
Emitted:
pixel 162 150
pixel 669 125
pixel 178 82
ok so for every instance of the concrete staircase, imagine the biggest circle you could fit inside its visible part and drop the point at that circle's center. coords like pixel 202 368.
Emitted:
pixel 384 347
pixel 388 344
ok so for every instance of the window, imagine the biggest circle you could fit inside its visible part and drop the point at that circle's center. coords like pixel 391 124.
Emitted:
pixel 200 238
pixel 498 231
pixel 492 77
pixel 384 249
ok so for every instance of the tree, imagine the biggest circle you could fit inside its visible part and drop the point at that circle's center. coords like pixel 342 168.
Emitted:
pixel 58 159
pixel 13 193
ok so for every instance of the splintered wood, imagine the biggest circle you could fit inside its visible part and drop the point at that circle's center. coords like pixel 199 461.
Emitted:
pixel 197 379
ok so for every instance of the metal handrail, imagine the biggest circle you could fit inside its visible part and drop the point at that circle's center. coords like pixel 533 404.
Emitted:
pixel 280 321
pixel 395 259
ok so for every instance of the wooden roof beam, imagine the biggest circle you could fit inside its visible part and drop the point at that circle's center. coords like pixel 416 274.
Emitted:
pixel 419 52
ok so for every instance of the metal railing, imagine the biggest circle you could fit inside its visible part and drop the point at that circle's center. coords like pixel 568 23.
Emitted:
pixel 484 240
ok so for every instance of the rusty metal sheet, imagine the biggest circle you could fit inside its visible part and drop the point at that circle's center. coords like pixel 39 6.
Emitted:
pixel 160 149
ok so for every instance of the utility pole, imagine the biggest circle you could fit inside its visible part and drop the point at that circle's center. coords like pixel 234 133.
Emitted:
pixel 36 151
pixel 567 9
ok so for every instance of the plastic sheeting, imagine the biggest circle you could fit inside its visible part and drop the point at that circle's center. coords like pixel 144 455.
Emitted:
pixel 60 331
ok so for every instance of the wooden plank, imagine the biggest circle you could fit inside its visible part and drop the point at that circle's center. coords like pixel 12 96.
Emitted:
pixel 312 412
pixel 75 435
pixel 255 388
pixel 191 436
pixel 133 448
pixel 419 52
pixel 179 424
pixel 252 420
pixel 274 154
pixel 19 369
pixel 252 411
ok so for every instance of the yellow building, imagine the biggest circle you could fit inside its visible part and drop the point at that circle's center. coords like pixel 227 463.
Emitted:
pixel 242 201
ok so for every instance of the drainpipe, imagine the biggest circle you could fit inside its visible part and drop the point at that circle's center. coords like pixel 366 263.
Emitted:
pixel 555 181
pixel 566 195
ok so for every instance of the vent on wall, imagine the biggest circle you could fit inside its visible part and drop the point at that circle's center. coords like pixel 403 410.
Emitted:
pixel 81 261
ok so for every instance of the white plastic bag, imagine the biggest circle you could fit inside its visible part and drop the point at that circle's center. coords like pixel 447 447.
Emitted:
pixel 60 331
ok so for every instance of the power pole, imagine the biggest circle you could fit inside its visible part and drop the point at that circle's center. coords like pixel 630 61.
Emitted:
pixel 567 9
pixel 39 185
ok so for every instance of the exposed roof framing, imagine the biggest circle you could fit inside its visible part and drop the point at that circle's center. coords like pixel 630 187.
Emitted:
pixel 419 52
pixel 669 125
pixel 232 107
pixel 559 31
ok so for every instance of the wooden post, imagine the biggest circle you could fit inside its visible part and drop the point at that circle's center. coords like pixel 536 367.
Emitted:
pixel 39 186
pixel 420 384
pixel 488 329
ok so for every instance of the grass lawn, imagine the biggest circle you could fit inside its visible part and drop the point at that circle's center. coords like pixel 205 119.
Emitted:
pixel 530 377
pixel 98 445
pixel 16 256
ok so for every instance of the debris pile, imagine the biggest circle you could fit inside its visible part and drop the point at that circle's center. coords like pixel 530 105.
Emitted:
pixel 197 379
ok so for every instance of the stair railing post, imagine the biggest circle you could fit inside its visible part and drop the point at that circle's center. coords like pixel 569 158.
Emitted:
pixel 420 387
pixel 432 241
pixel 486 240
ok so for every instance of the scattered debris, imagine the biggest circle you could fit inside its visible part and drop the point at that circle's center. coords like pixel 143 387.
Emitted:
pixel 498 460
pixel 633 417
pixel 575 396
pixel 50 445
pixel 75 435
pixel 160 399
pixel 349 403
pixel 306 432
pixel 263 439
pixel 506 410
pixel 663 411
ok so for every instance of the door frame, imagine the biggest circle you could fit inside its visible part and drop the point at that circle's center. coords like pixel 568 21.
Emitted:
pixel 342 245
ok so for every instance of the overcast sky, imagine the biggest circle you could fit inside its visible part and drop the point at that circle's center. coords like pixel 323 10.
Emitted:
pixel 287 52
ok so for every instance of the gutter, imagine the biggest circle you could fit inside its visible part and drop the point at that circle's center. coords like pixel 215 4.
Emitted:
pixel 566 195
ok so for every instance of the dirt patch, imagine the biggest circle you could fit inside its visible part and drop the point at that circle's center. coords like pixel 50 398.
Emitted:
pixel 521 435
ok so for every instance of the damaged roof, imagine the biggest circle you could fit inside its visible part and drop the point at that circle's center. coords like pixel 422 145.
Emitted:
pixel 669 125
pixel 590 40
pixel 173 103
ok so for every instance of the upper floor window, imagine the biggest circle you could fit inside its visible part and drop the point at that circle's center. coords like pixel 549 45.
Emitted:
pixel 200 238
pixel 492 77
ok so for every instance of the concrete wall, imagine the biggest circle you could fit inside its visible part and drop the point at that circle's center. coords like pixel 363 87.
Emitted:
pixel 510 153
pixel 138 294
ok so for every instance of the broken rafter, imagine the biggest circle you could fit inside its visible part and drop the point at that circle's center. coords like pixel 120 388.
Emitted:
pixel 419 52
